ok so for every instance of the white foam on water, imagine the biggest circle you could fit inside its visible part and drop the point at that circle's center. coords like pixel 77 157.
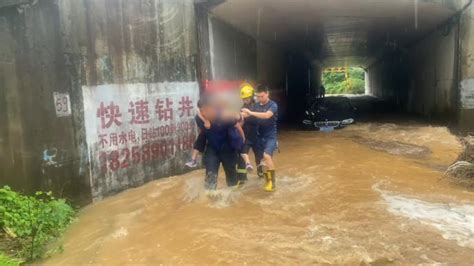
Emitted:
pixel 220 198
pixel 122 232
pixel 223 198
pixel 193 188
pixel 454 221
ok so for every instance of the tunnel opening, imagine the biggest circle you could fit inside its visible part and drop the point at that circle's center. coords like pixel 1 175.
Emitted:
pixel 401 53
pixel 343 80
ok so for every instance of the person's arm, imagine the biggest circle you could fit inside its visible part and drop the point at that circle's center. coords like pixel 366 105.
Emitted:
pixel 207 123
pixel 244 115
pixel 242 121
pixel 241 131
pixel 261 115
pixel 272 110
pixel 231 116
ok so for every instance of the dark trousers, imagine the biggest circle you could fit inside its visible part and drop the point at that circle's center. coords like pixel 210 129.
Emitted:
pixel 200 143
pixel 212 160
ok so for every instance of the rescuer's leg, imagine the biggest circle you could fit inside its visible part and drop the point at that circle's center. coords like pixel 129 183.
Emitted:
pixel 211 162
pixel 270 147
pixel 258 152
pixel 241 171
pixel 229 159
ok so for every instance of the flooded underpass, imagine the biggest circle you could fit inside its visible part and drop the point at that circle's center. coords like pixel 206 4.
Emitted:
pixel 98 105
pixel 372 193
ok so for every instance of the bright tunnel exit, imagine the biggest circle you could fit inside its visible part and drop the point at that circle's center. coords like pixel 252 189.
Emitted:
pixel 344 80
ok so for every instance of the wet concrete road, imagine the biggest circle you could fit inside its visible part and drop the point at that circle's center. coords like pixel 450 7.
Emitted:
pixel 370 193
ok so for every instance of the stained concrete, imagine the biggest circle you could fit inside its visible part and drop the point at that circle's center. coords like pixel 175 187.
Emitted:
pixel 344 31
pixel 426 77
pixel 272 71
pixel 33 66
pixel 420 78
pixel 6 3
pixel 466 59
pixel 62 45
pixel 233 53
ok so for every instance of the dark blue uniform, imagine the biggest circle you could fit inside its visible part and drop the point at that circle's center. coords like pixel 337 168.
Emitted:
pixel 219 150
pixel 267 128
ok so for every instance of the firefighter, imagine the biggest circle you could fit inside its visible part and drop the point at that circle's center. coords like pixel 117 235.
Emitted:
pixel 266 113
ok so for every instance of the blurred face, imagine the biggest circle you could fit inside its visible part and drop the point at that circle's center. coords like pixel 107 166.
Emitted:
pixel 208 112
pixel 262 97
pixel 248 100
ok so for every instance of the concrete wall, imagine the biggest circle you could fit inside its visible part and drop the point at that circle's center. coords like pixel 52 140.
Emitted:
pixel 226 54
pixel 233 54
pixel 271 70
pixel 204 71
pixel 421 78
pixel 38 149
pixel 466 71
pixel 111 52
pixel 434 77
pixel 299 84
pixel 236 56
pixel 432 69
pixel 271 65
pixel 316 76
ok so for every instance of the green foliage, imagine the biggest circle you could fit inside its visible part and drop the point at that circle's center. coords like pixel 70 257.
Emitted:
pixel 336 83
pixel 9 261
pixel 357 86
pixel 32 221
pixel 356 73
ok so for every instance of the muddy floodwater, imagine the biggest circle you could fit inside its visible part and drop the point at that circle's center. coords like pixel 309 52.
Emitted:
pixel 370 193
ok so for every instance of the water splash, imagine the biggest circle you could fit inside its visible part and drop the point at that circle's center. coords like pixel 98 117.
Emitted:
pixel 221 198
pixel 454 221
pixel 193 189
pixel 122 232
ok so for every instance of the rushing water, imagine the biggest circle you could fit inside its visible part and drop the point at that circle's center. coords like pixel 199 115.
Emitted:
pixel 371 193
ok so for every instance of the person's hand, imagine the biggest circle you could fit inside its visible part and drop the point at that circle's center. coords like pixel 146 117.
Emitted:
pixel 239 117
pixel 246 111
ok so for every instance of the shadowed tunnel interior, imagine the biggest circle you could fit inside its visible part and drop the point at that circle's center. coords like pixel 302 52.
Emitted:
pixel 409 49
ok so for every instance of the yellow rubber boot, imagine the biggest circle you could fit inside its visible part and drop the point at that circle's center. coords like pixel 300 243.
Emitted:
pixel 270 181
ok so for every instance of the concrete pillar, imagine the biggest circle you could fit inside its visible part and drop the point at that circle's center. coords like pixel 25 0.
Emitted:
pixel 367 83
pixel 466 95
pixel 317 78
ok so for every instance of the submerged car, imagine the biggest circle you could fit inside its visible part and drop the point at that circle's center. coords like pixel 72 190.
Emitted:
pixel 329 113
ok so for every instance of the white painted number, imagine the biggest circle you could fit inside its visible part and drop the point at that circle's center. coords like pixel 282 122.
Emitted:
pixel 62 104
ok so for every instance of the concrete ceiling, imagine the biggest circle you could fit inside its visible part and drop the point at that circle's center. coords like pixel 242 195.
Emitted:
pixel 337 32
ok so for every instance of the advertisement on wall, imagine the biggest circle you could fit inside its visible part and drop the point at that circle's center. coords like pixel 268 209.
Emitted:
pixel 138 132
